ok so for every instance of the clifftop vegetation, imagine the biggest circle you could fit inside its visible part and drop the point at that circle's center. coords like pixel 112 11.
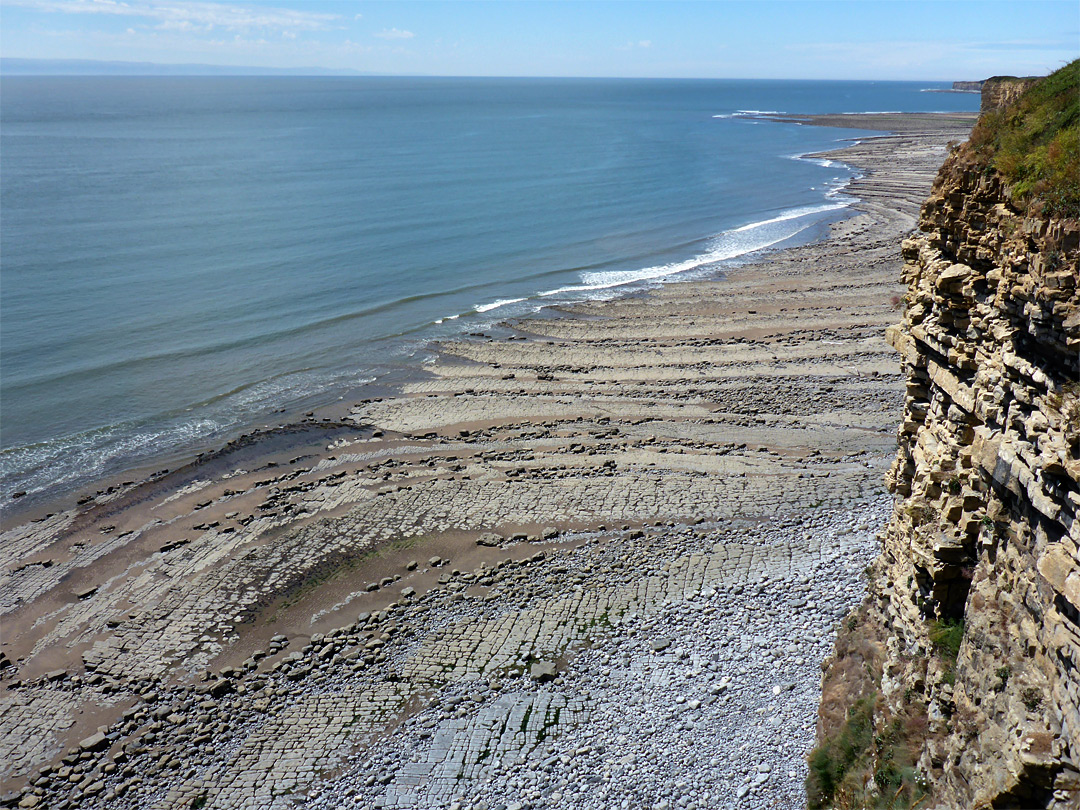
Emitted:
pixel 1035 143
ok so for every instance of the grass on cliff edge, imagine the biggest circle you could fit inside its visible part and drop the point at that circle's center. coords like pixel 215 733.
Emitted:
pixel 866 754
pixel 1035 143
pixel 868 763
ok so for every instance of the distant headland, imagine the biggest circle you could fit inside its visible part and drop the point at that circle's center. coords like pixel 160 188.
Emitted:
pixel 958 87
pixel 999 89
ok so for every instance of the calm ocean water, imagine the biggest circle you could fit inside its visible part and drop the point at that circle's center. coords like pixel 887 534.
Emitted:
pixel 183 256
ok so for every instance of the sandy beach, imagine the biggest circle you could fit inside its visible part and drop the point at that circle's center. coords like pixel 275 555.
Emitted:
pixel 575 545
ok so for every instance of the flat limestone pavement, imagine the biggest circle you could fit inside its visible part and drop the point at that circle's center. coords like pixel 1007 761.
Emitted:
pixel 518 579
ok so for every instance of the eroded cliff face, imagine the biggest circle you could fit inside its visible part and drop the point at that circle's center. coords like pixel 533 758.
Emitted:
pixel 957 683
pixel 1000 91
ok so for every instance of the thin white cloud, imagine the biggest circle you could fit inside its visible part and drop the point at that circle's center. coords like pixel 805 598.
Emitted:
pixel 918 51
pixel 634 45
pixel 151 44
pixel 939 59
pixel 181 25
pixel 192 15
pixel 1067 42
pixel 394 33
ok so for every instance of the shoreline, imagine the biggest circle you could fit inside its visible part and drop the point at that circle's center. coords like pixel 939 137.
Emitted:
pixel 398 367
pixel 327 403
pixel 739 402
pixel 332 403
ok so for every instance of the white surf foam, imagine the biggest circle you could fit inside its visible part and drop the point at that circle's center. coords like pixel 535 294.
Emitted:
pixel 502 302
pixel 748 113
pixel 794 213
pixel 92 454
pixel 731 244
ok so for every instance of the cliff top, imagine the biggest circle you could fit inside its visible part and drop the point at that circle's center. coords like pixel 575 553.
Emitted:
pixel 1033 141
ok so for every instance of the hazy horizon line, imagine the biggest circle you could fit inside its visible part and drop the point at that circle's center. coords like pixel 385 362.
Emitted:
pixel 32 66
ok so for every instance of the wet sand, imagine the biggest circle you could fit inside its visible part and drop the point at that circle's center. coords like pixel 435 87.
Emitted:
pixel 763 397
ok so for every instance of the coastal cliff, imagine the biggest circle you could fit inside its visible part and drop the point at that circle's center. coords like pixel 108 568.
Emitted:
pixel 955 683
pixel 1001 91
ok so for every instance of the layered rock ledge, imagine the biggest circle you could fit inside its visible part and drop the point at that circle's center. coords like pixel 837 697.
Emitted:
pixel 959 673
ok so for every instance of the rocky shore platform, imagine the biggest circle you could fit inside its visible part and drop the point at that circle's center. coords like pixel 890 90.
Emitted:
pixel 593 559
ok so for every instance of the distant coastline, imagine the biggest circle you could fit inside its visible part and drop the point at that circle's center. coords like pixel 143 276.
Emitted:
pixel 959 87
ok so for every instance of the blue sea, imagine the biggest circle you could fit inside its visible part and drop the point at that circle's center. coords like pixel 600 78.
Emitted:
pixel 183 257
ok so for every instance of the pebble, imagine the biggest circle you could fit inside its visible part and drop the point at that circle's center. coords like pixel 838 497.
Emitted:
pixel 644 700
pixel 666 705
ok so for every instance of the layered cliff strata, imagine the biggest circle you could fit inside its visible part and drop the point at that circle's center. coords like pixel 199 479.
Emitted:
pixel 956 684
pixel 1001 91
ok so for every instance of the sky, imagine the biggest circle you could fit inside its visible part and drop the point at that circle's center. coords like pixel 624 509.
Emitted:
pixel 942 40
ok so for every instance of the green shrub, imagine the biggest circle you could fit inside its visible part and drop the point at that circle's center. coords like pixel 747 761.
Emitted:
pixel 1035 142
pixel 1003 673
pixel 1032 698
pixel 843 765
pixel 832 761
pixel 945 636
